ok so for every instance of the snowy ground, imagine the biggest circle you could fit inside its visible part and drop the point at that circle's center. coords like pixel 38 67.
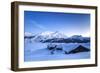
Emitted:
pixel 38 52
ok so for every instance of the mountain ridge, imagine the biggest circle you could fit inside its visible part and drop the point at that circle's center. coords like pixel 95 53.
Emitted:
pixel 57 37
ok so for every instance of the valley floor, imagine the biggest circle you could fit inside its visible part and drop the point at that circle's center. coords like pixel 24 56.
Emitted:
pixel 38 52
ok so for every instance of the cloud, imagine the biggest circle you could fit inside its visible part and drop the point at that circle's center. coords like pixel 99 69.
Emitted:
pixel 28 34
pixel 38 25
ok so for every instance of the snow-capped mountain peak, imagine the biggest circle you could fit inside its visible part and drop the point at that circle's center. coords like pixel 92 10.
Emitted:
pixel 59 35
pixel 51 35
pixel 46 33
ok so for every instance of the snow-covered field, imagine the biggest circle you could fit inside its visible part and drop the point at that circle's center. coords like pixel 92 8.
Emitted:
pixel 35 51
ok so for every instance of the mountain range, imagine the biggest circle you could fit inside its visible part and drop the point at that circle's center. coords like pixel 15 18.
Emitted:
pixel 54 37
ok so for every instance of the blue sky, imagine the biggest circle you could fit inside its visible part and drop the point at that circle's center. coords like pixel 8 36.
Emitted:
pixel 67 23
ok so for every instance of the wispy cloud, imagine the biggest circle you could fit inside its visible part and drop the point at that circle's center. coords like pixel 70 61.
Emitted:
pixel 38 25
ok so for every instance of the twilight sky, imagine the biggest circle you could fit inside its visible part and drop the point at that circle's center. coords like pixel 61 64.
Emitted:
pixel 67 23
